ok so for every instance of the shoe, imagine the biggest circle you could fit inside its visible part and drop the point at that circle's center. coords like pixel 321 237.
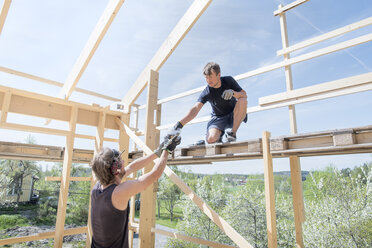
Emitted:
pixel 230 136
pixel 199 142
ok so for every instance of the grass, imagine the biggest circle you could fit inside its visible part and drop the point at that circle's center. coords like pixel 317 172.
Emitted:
pixel 8 221
pixel 164 219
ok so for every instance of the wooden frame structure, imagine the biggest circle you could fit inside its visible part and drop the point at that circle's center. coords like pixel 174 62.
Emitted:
pixel 354 140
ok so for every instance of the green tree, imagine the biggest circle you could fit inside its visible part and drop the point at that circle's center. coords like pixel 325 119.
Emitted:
pixel 340 212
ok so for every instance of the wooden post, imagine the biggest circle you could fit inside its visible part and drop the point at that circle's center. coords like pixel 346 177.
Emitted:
pixel 298 205
pixel 5 107
pixel 98 145
pixel 269 191
pixel 147 211
pixel 124 145
pixel 63 193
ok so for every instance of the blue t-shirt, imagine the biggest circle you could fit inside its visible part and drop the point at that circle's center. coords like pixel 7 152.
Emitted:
pixel 220 107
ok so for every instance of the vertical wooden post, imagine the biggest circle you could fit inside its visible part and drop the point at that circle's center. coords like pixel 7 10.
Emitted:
pixel 269 191
pixel 147 212
pixel 100 132
pixel 298 205
pixel 124 145
pixel 5 108
pixel 63 193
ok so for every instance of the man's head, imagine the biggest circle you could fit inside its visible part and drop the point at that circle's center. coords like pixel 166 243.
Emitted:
pixel 212 74
pixel 106 165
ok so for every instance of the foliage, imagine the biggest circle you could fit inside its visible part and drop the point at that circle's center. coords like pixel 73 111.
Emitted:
pixel 340 211
pixel 8 221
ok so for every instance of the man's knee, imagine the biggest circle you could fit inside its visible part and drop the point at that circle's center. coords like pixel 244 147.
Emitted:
pixel 212 139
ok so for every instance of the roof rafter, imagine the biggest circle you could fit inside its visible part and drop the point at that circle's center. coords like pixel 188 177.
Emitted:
pixel 166 49
pixel 90 48
pixel 4 13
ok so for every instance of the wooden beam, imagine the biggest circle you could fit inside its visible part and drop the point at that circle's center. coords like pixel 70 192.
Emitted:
pixel 298 199
pixel 190 239
pixel 166 49
pixel 292 5
pixel 307 56
pixel 148 197
pixel 4 13
pixel 38 105
pixel 55 83
pixel 220 222
pixel 78 179
pixel 325 90
pixel 337 32
pixel 64 186
pixel 90 48
pixel 5 107
pixel 269 192
pixel 44 235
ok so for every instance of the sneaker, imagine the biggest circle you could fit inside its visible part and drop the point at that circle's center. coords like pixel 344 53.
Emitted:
pixel 199 143
pixel 230 136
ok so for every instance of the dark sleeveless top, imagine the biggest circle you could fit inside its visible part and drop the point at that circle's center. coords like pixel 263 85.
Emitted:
pixel 109 225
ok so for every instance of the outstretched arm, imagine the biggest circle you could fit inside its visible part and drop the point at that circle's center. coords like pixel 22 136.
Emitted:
pixel 139 163
pixel 125 190
pixel 193 112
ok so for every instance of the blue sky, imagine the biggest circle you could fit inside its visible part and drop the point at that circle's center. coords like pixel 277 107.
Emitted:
pixel 45 38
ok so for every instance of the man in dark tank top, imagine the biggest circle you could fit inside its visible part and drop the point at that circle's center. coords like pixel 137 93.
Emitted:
pixel 109 197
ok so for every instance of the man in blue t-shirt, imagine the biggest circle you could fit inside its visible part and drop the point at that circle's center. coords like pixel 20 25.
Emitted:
pixel 229 105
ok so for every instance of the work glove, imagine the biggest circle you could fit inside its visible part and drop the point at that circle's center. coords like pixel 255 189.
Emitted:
pixel 159 150
pixel 227 94
pixel 170 144
pixel 174 131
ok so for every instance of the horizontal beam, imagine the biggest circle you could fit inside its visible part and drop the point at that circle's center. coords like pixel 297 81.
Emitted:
pixel 55 83
pixel 318 89
pixel 33 104
pixel 44 235
pixel 21 151
pixel 80 179
pixel 307 56
pixel 190 239
pixel 326 36
pixel 196 9
pixel 289 6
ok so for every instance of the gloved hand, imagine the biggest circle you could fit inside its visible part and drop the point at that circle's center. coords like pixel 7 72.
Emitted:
pixel 227 94
pixel 174 131
pixel 170 144
pixel 159 150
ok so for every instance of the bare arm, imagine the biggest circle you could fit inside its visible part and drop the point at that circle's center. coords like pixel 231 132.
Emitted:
pixel 240 94
pixel 127 189
pixel 139 163
pixel 193 112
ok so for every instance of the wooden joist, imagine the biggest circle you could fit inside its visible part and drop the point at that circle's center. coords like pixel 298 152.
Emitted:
pixel 332 142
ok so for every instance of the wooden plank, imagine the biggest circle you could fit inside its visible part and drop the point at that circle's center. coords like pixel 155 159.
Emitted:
pixel 90 48
pixel 55 83
pixel 190 239
pixel 64 186
pixel 317 89
pixel 5 106
pixel 38 105
pixel 337 32
pixel 269 191
pixel 307 56
pixel 148 197
pixel 4 13
pixel 166 49
pixel 40 236
pixel 220 222
pixel 298 205
pixel 78 179
pixel 290 6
